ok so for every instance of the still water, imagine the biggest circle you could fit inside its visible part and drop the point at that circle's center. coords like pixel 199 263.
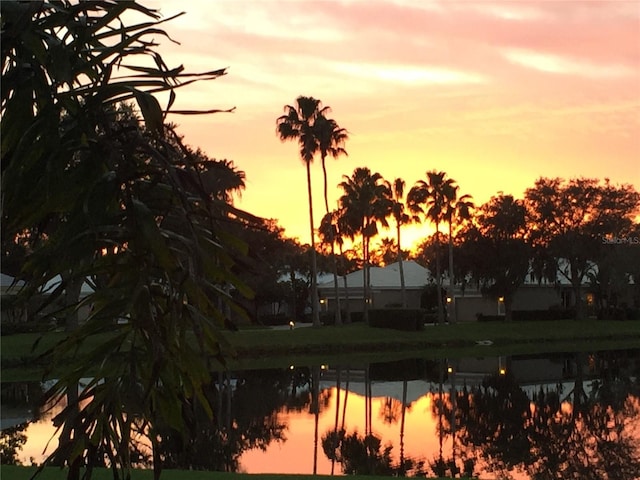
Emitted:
pixel 573 415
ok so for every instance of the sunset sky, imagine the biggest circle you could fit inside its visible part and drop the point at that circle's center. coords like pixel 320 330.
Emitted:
pixel 496 94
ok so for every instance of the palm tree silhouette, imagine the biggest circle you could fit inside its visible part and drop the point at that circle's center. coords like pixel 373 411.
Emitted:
pixel 399 212
pixel 455 209
pixel 299 123
pixel 365 202
pixel 430 199
pixel 331 139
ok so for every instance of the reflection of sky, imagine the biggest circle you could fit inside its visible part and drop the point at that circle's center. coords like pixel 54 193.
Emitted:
pixel 295 455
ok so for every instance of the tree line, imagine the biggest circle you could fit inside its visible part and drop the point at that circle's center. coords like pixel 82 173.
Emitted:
pixel 575 229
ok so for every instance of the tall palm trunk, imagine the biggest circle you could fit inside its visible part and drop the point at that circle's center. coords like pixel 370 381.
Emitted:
pixel 439 278
pixel 451 291
pixel 365 276
pixel 347 306
pixel 403 289
pixel 338 316
pixel 336 290
pixel 315 314
pixel 72 291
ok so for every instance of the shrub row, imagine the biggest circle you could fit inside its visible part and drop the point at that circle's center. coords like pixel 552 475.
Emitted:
pixel 397 319
pixel 531 315
pixel 274 319
pixel 13 328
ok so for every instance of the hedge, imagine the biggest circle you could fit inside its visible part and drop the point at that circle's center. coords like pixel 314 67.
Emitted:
pixel 397 318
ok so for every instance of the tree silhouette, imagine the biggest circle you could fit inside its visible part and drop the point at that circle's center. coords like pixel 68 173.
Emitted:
pixel 299 123
pixel 571 221
pixel 365 203
pixel 501 249
pixel 457 209
pixel 331 140
pixel 401 216
pixel 430 199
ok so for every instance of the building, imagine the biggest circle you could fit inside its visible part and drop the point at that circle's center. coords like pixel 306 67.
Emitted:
pixel 385 287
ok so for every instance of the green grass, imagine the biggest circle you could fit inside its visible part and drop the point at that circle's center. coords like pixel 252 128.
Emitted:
pixel 51 473
pixel 356 343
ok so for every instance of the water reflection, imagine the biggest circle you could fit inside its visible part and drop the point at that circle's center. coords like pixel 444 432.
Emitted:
pixel 552 417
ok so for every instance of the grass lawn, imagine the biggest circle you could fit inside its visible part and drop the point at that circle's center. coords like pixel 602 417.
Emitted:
pixel 264 348
pixel 24 473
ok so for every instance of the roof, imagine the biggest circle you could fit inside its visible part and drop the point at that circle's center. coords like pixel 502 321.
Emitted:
pixel 7 282
pixel 55 282
pixel 388 277
pixel 9 285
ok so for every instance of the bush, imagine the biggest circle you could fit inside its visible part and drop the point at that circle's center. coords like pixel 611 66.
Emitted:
pixel 274 319
pixel 13 328
pixel 430 317
pixel 530 315
pixel 619 313
pixel 397 319
pixel 550 314
pixel 489 318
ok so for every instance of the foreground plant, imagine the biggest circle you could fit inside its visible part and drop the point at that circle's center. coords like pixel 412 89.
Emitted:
pixel 93 195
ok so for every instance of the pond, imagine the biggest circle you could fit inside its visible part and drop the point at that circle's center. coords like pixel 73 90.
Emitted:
pixel 569 415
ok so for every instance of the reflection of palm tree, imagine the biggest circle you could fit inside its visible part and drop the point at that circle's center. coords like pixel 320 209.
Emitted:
pixel 298 123
pixel 315 409
pixel 430 199
pixel 402 418
pixel 365 202
pixel 390 410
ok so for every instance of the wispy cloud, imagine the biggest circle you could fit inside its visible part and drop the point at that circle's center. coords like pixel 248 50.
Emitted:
pixel 408 74
pixel 558 64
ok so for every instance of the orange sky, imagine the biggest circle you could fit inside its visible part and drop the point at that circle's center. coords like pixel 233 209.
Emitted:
pixel 496 94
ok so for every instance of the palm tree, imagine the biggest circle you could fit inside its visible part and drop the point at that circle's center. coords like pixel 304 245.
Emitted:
pixel 221 179
pixel 331 139
pixel 430 199
pixel 343 230
pixel 365 202
pixel 328 235
pixel 456 209
pixel 298 123
pixel 399 212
